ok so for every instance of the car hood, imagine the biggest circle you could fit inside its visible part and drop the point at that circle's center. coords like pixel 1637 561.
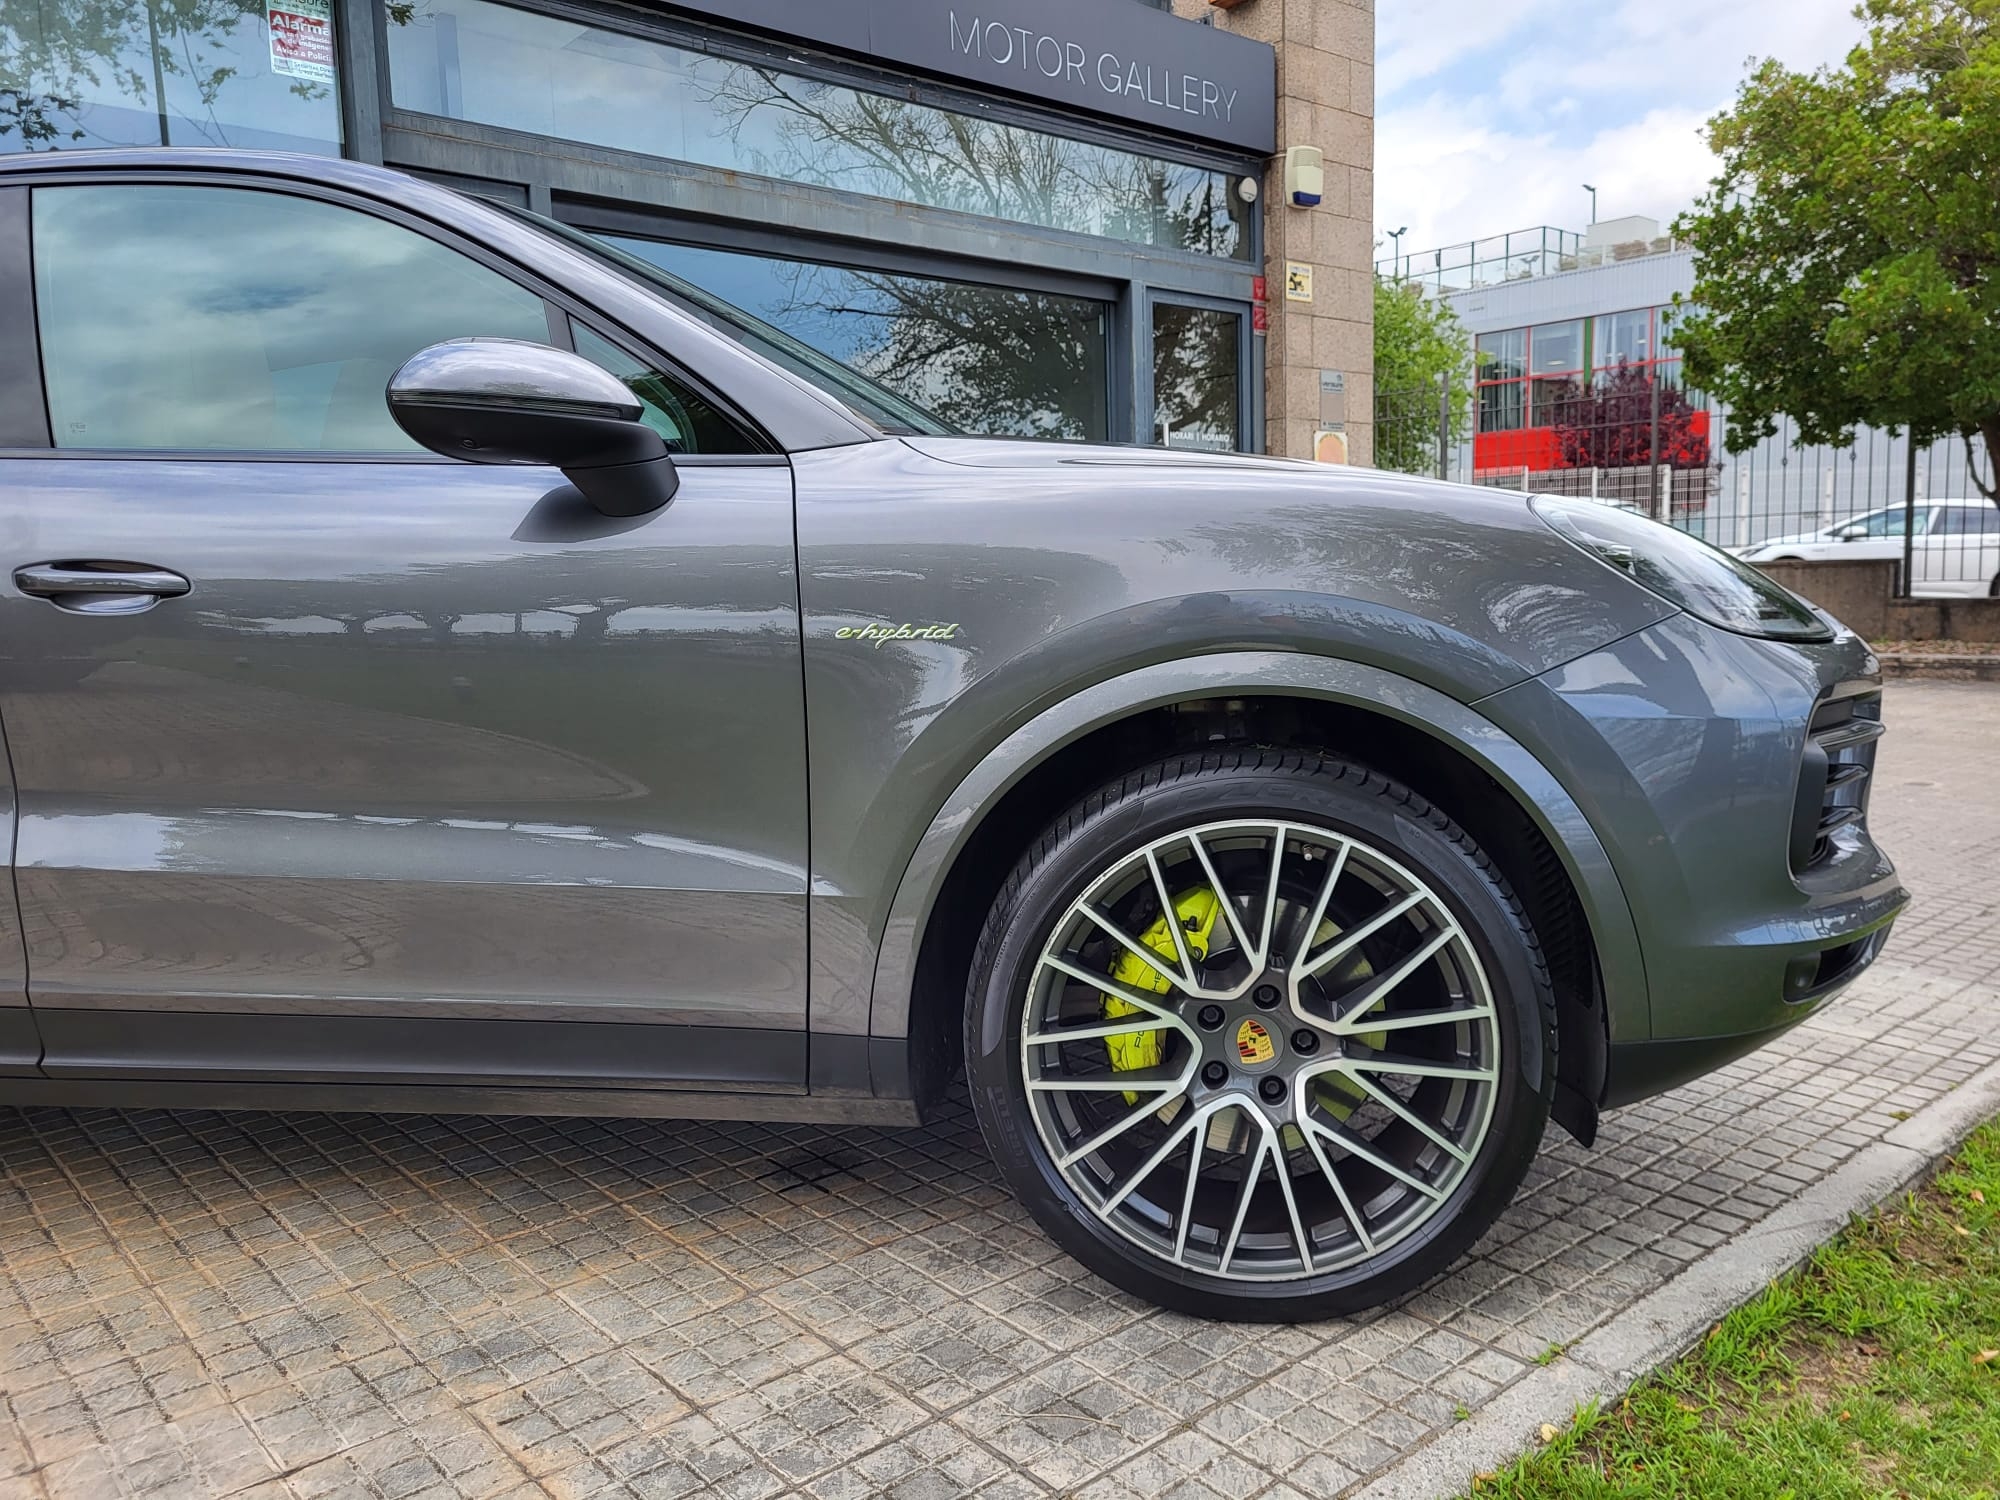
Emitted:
pixel 1247 487
pixel 1184 550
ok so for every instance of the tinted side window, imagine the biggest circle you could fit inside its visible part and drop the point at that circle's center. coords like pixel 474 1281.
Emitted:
pixel 1965 521
pixel 235 319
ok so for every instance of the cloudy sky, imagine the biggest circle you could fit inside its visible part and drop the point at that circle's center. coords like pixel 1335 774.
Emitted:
pixel 1489 113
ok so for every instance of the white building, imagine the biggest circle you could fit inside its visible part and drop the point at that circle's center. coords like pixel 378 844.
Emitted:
pixel 1553 313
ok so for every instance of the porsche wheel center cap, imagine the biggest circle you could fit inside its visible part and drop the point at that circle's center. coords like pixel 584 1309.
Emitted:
pixel 1255 1047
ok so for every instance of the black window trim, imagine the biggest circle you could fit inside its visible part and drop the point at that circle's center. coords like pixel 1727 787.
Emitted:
pixel 675 227
pixel 24 404
pixel 558 308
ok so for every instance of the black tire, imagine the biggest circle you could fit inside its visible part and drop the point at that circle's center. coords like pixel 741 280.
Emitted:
pixel 1348 800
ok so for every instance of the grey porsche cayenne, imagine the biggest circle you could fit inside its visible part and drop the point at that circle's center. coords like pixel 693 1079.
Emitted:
pixel 446 665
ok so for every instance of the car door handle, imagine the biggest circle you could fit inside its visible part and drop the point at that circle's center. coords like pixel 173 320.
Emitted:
pixel 100 588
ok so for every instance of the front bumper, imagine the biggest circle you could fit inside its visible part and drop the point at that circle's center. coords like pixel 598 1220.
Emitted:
pixel 1756 888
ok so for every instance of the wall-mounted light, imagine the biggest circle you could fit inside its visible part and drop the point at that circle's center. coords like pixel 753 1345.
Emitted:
pixel 1247 189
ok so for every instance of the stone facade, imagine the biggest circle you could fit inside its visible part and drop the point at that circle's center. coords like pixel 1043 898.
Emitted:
pixel 1326 98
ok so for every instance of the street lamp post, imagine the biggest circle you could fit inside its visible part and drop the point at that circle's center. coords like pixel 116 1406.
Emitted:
pixel 1593 201
pixel 1397 236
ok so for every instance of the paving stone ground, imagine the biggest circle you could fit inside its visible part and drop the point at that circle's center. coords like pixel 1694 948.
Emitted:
pixel 207 1305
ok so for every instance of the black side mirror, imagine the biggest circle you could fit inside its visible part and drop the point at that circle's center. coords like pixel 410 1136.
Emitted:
pixel 507 401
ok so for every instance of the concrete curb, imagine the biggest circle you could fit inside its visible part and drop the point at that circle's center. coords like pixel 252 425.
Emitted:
pixel 1940 666
pixel 1667 1323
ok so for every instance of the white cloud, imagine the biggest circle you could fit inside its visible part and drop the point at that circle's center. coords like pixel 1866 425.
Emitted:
pixel 1492 114
pixel 1418 39
pixel 1455 183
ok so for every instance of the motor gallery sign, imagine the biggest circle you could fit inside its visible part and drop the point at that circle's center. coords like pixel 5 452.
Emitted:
pixel 1109 57
pixel 1003 48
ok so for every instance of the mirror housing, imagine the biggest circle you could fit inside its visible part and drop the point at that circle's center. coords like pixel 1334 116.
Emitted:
pixel 507 401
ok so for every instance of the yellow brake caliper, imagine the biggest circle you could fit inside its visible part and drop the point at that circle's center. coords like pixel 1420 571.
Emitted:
pixel 1196 911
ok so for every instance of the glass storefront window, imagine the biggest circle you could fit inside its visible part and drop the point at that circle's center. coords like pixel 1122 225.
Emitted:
pixel 1549 395
pixel 1623 339
pixel 1197 384
pixel 987 359
pixel 1555 356
pixel 1672 318
pixel 243 73
pixel 493 64
pixel 1500 407
pixel 1557 348
pixel 1503 356
pixel 1502 361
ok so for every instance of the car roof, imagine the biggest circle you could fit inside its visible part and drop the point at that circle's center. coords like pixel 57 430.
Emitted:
pixel 361 177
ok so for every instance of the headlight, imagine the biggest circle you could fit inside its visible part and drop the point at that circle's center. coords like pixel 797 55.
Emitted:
pixel 1703 580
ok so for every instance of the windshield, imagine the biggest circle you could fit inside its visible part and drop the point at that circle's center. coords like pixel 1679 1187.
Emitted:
pixel 873 403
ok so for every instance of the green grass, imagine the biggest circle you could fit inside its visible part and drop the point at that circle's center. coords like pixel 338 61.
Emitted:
pixel 1873 1371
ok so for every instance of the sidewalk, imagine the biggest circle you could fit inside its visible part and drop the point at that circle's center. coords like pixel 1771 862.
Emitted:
pixel 307 1305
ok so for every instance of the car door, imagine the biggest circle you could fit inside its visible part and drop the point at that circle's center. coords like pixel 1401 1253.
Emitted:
pixel 1874 537
pixel 335 760
pixel 1960 554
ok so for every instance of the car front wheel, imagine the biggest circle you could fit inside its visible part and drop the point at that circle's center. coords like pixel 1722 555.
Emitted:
pixel 1260 1034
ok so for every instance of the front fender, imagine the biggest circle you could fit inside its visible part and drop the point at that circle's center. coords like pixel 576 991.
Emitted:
pixel 1263 673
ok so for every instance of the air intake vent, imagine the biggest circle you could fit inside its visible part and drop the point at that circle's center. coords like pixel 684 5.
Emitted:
pixel 1833 781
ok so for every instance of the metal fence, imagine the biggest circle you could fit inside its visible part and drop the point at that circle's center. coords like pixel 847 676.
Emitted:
pixel 1646 444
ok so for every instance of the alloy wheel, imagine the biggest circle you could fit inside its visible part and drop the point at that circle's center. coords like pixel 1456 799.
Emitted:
pixel 1260 1050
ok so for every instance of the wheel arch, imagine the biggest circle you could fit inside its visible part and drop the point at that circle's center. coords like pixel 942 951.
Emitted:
pixel 1442 749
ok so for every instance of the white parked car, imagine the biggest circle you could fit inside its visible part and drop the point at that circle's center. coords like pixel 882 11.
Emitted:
pixel 1956 552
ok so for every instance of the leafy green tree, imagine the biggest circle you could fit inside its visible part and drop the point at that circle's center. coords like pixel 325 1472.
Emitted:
pixel 1422 359
pixel 1848 255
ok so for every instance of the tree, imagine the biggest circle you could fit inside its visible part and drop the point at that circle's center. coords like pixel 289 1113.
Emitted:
pixel 1608 424
pixel 1848 254
pixel 1422 356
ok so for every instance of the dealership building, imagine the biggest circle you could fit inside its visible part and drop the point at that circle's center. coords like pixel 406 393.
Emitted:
pixel 1077 219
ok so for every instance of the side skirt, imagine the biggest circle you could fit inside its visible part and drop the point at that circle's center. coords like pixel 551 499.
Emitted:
pixel 213 1047
pixel 655 1104
pixel 20 1043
